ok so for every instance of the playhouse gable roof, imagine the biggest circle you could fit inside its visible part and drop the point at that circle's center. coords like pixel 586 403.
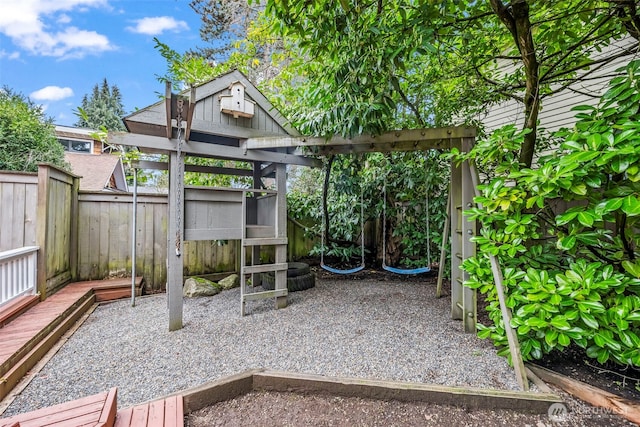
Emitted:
pixel 209 119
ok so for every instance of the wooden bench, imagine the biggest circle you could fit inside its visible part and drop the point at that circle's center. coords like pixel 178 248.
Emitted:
pixel 167 412
pixel 98 410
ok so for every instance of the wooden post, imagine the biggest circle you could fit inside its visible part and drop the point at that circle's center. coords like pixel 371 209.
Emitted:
pixel 42 216
pixel 469 230
pixel 456 238
pixel 73 238
pixel 443 249
pixel 174 258
pixel 256 278
pixel 512 338
pixel 281 231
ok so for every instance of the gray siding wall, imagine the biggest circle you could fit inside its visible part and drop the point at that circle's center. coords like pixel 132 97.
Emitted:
pixel 556 110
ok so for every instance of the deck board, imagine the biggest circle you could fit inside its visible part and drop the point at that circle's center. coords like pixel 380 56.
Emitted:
pixel 84 411
pixel 156 413
pixel 140 415
pixel 167 412
pixel 27 337
pixel 123 419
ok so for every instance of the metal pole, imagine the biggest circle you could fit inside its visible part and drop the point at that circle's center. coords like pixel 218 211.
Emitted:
pixel 133 237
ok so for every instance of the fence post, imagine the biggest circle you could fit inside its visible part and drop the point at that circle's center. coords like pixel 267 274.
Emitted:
pixel 73 229
pixel 41 228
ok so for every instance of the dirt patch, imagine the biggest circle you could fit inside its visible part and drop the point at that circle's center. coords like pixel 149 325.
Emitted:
pixel 574 363
pixel 258 409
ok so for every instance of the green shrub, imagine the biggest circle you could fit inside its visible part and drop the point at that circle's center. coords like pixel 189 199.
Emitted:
pixel 27 136
pixel 572 272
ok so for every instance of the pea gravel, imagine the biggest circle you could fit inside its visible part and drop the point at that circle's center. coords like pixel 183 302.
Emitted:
pixel 365 329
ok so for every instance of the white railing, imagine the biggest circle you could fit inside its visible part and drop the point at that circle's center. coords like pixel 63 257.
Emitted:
pixel 18 268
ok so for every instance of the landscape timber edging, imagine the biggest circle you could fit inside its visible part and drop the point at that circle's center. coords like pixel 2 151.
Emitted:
pixel 267 380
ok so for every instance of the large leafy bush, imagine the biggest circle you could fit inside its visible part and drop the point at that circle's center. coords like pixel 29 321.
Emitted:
pixel 27 136
pixel 566 232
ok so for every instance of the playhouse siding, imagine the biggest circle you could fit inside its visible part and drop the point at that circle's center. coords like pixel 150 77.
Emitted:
pixel 208 118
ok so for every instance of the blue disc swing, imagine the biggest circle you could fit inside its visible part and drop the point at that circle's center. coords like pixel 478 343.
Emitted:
pixel 397 270
pixel 324 238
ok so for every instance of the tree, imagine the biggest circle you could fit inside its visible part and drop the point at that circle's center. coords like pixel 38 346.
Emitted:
pixel 103 109
pixel 224 22
pixel 27 136
pixel 371 66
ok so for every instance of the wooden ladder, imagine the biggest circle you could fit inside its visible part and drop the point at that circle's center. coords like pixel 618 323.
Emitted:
pixel 256 235
pixel 463 299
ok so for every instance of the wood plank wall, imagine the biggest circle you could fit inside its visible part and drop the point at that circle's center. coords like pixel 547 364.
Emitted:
pixel 102 225
pixel 18 200
pixel 56 230
pixel 104 243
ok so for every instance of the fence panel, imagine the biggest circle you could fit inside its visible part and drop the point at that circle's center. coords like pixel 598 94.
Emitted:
pixel 56 228
pixel 104 241
pixel 18 201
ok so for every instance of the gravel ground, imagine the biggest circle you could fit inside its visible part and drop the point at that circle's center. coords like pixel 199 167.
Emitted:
pixel 365 329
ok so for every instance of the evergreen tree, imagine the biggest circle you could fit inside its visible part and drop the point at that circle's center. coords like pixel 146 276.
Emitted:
pixel 103 109
pixel 27 136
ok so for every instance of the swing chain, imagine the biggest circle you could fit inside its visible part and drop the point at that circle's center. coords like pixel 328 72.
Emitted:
pixel 180 160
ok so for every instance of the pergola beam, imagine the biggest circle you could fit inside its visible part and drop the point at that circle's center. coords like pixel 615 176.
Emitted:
pixel 157 144
pixel 216 170
pixel 399 140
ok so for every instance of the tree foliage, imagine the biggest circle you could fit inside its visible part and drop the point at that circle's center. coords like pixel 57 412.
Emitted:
pixel 566 233
pixel 369 64
pixel 27 136
pixel 224 22
pixel 102 109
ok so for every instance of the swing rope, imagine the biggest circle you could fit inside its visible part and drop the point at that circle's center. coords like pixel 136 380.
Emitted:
pixel 396 270
pixel 324 232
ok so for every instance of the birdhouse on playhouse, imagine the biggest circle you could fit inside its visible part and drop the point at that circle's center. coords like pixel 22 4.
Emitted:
pixel 235 103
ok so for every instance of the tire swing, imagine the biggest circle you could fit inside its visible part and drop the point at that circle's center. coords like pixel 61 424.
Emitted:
pixel 397 270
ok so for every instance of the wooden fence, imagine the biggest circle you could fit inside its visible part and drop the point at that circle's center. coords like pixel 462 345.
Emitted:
pixel 104 244
pixel 56 228
pixel 18 201
pixel 87 235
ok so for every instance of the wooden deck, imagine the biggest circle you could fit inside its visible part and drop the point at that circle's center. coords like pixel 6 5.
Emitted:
pixel 28 337
pixel 167 412
pixel 100 410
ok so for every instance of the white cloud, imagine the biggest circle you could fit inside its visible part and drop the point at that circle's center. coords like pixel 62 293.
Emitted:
pixel 63 19
pixel 9 55
pixel 51 93
pixel 40 27
pixel 156 25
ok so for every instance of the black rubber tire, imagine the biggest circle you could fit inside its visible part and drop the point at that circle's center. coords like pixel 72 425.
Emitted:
pixel 294 284
pixel 296 269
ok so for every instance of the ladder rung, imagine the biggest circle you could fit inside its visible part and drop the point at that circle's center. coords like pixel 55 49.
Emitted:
pixel 265 295
pixel 458 255
pixel 265 241
pixel 458 230
pixel 263 268
pixel 260 231
pixel 459 306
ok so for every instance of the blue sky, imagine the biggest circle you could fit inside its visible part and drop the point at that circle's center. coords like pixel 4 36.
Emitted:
pixel 55 51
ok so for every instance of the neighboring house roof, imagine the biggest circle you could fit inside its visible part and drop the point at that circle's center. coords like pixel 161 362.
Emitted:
pixel 99 172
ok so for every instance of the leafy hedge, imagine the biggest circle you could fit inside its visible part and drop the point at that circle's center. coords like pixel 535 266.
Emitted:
pixel 566 232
